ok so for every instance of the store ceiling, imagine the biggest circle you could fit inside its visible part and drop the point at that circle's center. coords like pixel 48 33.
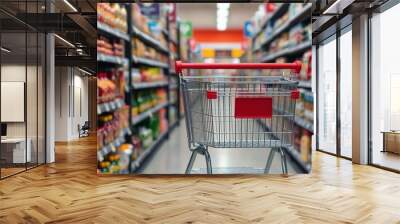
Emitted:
pixel 203 15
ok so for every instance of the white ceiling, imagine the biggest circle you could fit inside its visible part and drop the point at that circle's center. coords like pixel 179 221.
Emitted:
pixel 203 15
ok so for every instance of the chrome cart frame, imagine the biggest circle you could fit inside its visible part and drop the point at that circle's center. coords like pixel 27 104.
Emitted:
pixel 239 111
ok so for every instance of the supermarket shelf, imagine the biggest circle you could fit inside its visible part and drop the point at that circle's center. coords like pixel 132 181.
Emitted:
pixel 145 85
pixel 299 121
pixel 306 11
pixel 111 147
pixel 111 31
pixel 278 12
pixel 138 162
pixel 174 41
pixel 149 62
pixel 111 59
pixel 291 151
pixel 174 125
pixel 165 32
pixel 304 124
pixel 295 156
pixel 173 86
pixel 305 84
pixel 172 71
pixel 147 113
pixel 149 40
pixel 288 51
pixel 110 106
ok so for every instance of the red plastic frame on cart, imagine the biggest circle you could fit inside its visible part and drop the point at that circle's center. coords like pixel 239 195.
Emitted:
pixel 295 94
pixel 253 107
pixel 295 66
pixel 211 95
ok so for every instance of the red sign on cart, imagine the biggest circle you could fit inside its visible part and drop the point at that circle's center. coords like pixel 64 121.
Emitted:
pixel 253 107
pixel 211 95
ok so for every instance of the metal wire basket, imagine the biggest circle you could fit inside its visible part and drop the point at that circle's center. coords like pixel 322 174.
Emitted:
pixel 238 111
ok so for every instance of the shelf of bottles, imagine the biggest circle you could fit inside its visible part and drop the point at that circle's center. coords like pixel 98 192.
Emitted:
pixel 134 86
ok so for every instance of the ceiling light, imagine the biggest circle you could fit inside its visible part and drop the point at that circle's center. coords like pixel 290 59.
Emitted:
pixel 222 19
pixel 65 41
pixel 221 26
pixel 222 13
pixel 222 16
pixel 5 50
pixel 223 5
pixel 70 5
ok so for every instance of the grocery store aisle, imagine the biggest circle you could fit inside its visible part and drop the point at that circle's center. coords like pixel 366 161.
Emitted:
pixel 173 156
pixel 69 191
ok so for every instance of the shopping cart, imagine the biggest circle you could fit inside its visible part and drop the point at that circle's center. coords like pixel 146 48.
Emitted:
pixel 239 111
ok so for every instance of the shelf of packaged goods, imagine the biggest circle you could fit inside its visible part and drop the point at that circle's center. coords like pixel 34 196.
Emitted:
pixel 139 160
pixel 146 85
pixel 110 106
pixel 288 51
pixel 112 146
pixel 298 121
pixel 304 124
pixel 278 12
pixel 144 115
pixel 172 72
pixel 111 59
pixel 174 125
pixel 149 62
pixel 173 56
pixel 173 103
pixel 173 86
pixel 149 40
pixel 111 31
pixel 165 32
pixel 305 84
pixel 300 16
pixel 175 42
pixel 291 151
pixel 295 155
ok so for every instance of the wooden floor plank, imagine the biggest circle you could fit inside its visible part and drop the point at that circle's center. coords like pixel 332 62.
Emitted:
pixel 69 191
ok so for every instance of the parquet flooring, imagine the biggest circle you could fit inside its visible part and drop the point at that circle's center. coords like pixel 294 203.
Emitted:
pixel 69 191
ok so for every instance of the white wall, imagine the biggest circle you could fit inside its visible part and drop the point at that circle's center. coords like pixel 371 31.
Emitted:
pixel 71 94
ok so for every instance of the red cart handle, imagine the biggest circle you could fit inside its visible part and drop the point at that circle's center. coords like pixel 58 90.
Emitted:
pixel 179 66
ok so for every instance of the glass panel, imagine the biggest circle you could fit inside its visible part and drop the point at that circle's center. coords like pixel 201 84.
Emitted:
pixel 385 84
pixel 14 153
pixel 41 99
pixel 327 96
pixel 346 94
pixel 31 97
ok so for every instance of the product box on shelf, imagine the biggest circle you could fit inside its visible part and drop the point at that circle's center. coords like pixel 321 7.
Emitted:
pixel 113 15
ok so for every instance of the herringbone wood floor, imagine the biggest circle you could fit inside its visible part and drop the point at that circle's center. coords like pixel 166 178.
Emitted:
pixel 69 191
